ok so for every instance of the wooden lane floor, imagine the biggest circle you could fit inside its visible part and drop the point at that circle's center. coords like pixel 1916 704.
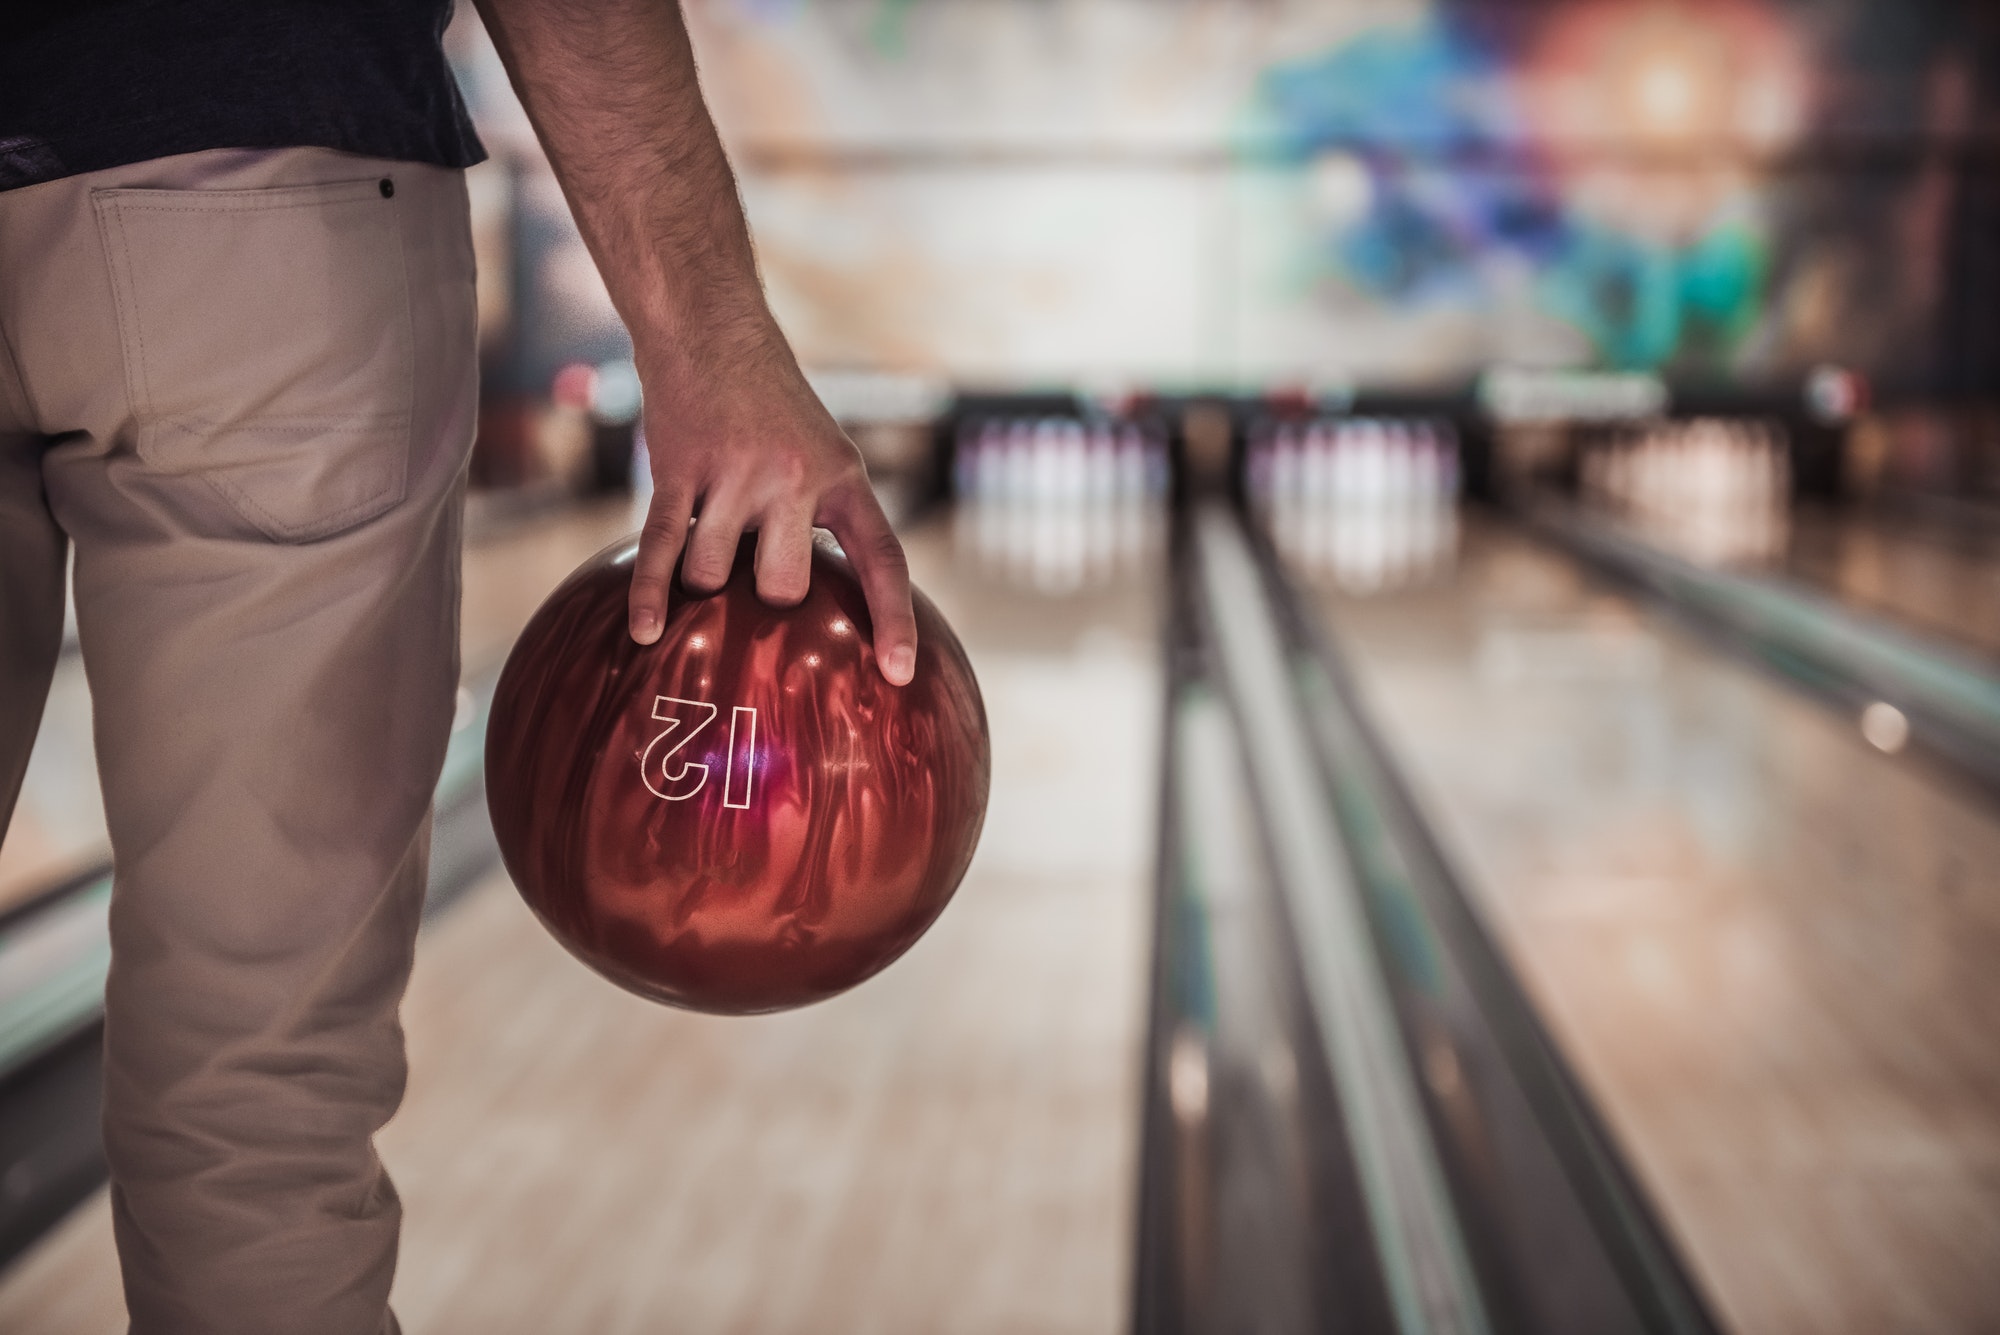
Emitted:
pixel 1767 949
pixel 950 1147
pixel 511 565
pixel 1939 578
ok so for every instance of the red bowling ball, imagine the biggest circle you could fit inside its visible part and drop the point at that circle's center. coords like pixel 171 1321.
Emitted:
pixel 744 816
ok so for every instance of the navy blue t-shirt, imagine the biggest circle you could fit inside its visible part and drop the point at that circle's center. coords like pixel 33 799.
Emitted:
pixel 88 84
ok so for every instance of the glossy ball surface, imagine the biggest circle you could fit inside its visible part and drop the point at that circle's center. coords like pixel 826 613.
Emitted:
pixel 744 816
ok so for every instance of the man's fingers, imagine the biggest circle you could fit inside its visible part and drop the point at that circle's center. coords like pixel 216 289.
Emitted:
pixel 884 572
pixel 659 547
pixel 784 557
pixel 711 552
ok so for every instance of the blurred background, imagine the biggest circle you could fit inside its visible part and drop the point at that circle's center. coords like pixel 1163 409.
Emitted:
pixel 1479 528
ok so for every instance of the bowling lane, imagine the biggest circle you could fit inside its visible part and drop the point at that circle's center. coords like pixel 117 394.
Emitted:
pixel 1719 492
pixel 949 1147
pixel 1766 948
pixel 1938 578
pixel 512 562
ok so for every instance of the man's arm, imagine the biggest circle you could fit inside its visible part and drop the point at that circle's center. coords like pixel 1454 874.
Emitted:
pixel 734 429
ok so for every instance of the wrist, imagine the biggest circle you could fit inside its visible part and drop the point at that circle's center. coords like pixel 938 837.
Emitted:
pixel 712 343
pixel 683 282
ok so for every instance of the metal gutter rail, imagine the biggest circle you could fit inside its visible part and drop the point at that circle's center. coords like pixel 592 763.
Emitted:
pixel 1569 1234
pixel 1952 701
pixel 1419 1244
pixel 1423 1162
pixel 1250 1209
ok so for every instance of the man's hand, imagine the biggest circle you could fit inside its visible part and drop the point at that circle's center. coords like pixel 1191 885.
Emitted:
pixel 738 439
pixel 754 449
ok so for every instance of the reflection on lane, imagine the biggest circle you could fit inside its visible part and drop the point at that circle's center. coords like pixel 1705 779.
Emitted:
pixel 1939 579
pixel 1715 490
pixel 1765 947
pixel 1059 505
pixel 1720 492
pixel 1358 503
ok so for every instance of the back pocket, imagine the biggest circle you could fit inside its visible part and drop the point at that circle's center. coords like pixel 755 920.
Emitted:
pixel 267 345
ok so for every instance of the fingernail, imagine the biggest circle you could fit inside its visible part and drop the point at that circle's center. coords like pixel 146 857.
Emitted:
pixel 902 665
pixel 645 627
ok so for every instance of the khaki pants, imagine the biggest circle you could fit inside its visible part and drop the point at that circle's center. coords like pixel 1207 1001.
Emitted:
pixel 242 383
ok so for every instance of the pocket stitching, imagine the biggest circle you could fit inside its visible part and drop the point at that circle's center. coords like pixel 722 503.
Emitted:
pixel 401 488
pixel 297 423
pixel 110 207
pixel 359 191
pixel 322 525
pixel 138 206
pixel 139 395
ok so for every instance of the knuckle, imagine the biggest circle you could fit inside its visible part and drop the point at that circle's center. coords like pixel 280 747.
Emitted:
pixel 846 479
pixel 787 588
pixel 706 570
pixel 665 523
pixel 888 552
pixel 792 472
pixel 673 495
pixel 853 474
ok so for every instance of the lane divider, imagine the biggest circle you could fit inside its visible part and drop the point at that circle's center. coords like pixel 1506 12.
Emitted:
pixel 1951 700
pixel 1423 1253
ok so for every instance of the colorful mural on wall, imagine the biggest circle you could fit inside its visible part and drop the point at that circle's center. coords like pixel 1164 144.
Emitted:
pixel 1455 175
pixel 1212 192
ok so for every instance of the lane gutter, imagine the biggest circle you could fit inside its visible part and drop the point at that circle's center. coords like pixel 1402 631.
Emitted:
pixel 1950 700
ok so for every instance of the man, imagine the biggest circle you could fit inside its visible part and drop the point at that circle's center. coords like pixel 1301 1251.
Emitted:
pixel 237 372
